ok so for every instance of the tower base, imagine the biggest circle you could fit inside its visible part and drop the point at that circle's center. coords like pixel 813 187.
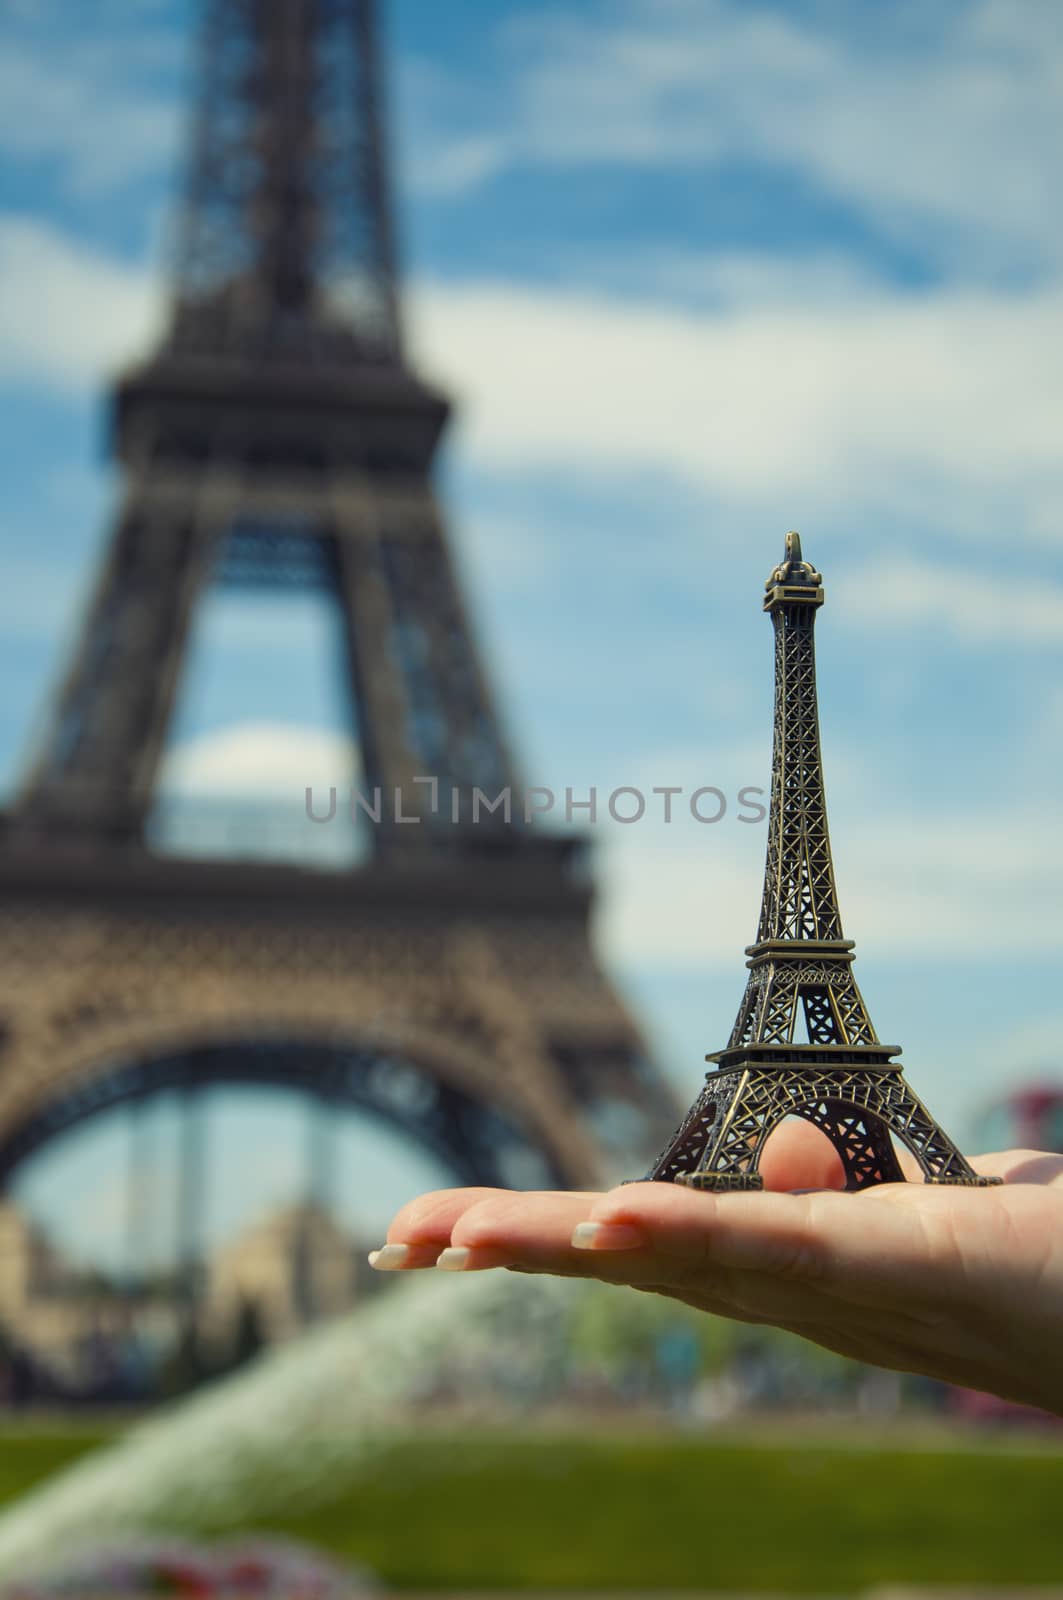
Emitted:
pixel 961 1180
pixel 458 1002
pixel 732 1182
pixel 720 1182
pixel 858 1099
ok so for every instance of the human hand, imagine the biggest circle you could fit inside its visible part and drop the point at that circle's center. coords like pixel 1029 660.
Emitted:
pixel 962 1284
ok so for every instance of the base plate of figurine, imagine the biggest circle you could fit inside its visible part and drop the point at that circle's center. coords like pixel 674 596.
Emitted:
pixel 720 1181
pixel 974 1181
pixel 724 1182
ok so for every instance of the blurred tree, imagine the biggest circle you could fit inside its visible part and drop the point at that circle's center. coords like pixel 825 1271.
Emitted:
pixel 189 1363
pixel 249 1338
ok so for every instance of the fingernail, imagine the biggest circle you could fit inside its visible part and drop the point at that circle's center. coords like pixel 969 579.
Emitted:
pixel 389 1257
pixel 606 1236
pixel 454 1259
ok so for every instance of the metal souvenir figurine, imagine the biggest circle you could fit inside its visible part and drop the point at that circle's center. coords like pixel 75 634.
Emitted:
pixel 841 1078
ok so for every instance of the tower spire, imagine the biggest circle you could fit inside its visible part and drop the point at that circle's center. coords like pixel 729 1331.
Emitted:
pixel 285 244
pixel 800 965
pixel 800 971
pixel 800 900
pixel 276 436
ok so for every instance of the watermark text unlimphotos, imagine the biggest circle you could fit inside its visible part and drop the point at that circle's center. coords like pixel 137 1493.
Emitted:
pixel 452 803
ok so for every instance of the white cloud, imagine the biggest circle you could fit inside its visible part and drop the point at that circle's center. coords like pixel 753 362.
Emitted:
pixel 942 403
pixel 730 280
pixel 68 314
pixel 986 606
pixel 260 759
pixel 671 907
pixel 450 166
pixel 94 108
pixel 945 137
pixel 973 887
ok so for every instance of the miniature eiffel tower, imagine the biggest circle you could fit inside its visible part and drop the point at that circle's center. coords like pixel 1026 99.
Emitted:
pixel 842 1080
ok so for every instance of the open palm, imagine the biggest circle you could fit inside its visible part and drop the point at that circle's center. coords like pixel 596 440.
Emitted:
pixel 961 1284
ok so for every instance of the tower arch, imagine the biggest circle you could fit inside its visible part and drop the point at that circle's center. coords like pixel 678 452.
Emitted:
pixel 436 1091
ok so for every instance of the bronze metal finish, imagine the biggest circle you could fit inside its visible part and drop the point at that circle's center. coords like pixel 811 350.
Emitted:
pixel 841 1078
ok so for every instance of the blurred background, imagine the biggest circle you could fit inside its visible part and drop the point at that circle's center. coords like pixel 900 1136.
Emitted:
pixel 694 273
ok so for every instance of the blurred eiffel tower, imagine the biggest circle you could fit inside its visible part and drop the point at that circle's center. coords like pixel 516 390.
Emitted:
pixel 278 437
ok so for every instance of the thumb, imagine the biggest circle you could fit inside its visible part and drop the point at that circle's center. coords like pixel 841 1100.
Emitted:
pixel 798 1155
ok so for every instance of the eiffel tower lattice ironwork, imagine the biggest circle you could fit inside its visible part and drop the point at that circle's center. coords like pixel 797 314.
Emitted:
pixel 278 437
pixel 800 968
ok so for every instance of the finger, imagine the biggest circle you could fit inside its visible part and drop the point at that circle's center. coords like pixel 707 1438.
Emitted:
pixel 773 1255
pixel 681 1239
pixel 1021 1166
pixel 429 1219
pixel 766 1232
pixel 533 1231
pixel 649 1235
pixel 799 1155
pixel 403 1257
pixel 840 1244
pixel 422 1234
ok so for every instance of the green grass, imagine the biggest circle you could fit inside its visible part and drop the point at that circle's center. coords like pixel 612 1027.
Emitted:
pixel 508 1509
pixel 671 1514
pixel 30 1454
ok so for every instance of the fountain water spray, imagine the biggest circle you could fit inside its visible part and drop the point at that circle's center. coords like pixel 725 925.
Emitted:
pixel 272 1434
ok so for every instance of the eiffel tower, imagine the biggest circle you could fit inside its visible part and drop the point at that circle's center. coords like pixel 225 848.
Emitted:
pixel 278 437
pixel 842 1079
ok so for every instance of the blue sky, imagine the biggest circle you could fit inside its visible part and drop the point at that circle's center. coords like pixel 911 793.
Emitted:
pixel 697 272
